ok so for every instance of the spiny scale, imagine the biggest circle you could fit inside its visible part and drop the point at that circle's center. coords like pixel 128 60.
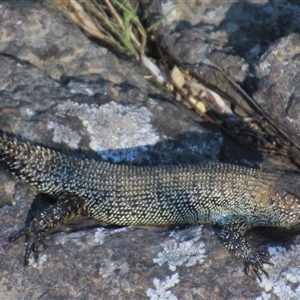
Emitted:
pixel 233 197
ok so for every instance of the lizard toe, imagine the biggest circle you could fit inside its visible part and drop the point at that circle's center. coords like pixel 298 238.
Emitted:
pixel 256 260
pixel 16 234
pixel 34 239
pixel 33 242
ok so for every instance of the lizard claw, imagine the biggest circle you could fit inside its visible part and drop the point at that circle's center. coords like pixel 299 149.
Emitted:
pixel 256 260
pixel 16 234
pixel 33 240
pixel 67 206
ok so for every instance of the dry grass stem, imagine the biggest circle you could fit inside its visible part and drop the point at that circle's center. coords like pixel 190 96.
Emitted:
pixel 116 23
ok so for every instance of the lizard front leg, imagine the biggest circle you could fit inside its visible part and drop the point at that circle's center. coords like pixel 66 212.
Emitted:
pixel 67 206
pixel 232 237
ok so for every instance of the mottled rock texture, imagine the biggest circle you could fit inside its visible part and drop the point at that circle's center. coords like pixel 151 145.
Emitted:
pixel 59 88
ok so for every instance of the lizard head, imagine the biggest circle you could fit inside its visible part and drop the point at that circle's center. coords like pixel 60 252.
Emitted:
pixel 286 201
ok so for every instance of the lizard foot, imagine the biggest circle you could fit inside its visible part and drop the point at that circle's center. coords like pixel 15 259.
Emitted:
pixel 232 237
pixel 256 260
pixel 67 206
pixel 33 241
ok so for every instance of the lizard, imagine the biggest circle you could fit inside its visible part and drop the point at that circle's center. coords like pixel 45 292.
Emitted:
pixel 233 197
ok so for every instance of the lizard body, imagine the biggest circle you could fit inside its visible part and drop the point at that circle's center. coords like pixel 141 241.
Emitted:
pixel 234 197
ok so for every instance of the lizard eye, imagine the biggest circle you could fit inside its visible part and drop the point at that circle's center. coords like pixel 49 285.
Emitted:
pixel 291 201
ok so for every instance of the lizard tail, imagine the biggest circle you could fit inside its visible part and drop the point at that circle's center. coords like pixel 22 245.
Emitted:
pixel 32 164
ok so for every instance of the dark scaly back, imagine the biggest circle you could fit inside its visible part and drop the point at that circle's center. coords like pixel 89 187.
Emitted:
pixel 175 194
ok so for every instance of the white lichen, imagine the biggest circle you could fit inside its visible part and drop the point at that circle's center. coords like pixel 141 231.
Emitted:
pixel 179 250
pixel 162 288
pixel 284 276
pixel 102 233
pixel 264 296
pixel 29 112
pixel 117 131
pixel 37 265
pixel 80 88
pixel 169 8
pixel 64 134
pixel 74 237
pixel 108 268
pixel 89 92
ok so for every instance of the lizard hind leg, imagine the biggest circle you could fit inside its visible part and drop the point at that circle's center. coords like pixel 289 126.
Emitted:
pixel 67 206
pixel 232 237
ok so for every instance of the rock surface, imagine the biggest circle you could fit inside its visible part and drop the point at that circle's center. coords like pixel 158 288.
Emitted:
pixel 279 77
pixel 60 89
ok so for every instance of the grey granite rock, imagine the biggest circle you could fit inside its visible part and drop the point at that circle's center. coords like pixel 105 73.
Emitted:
pixel 279 81
pixel 60 89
